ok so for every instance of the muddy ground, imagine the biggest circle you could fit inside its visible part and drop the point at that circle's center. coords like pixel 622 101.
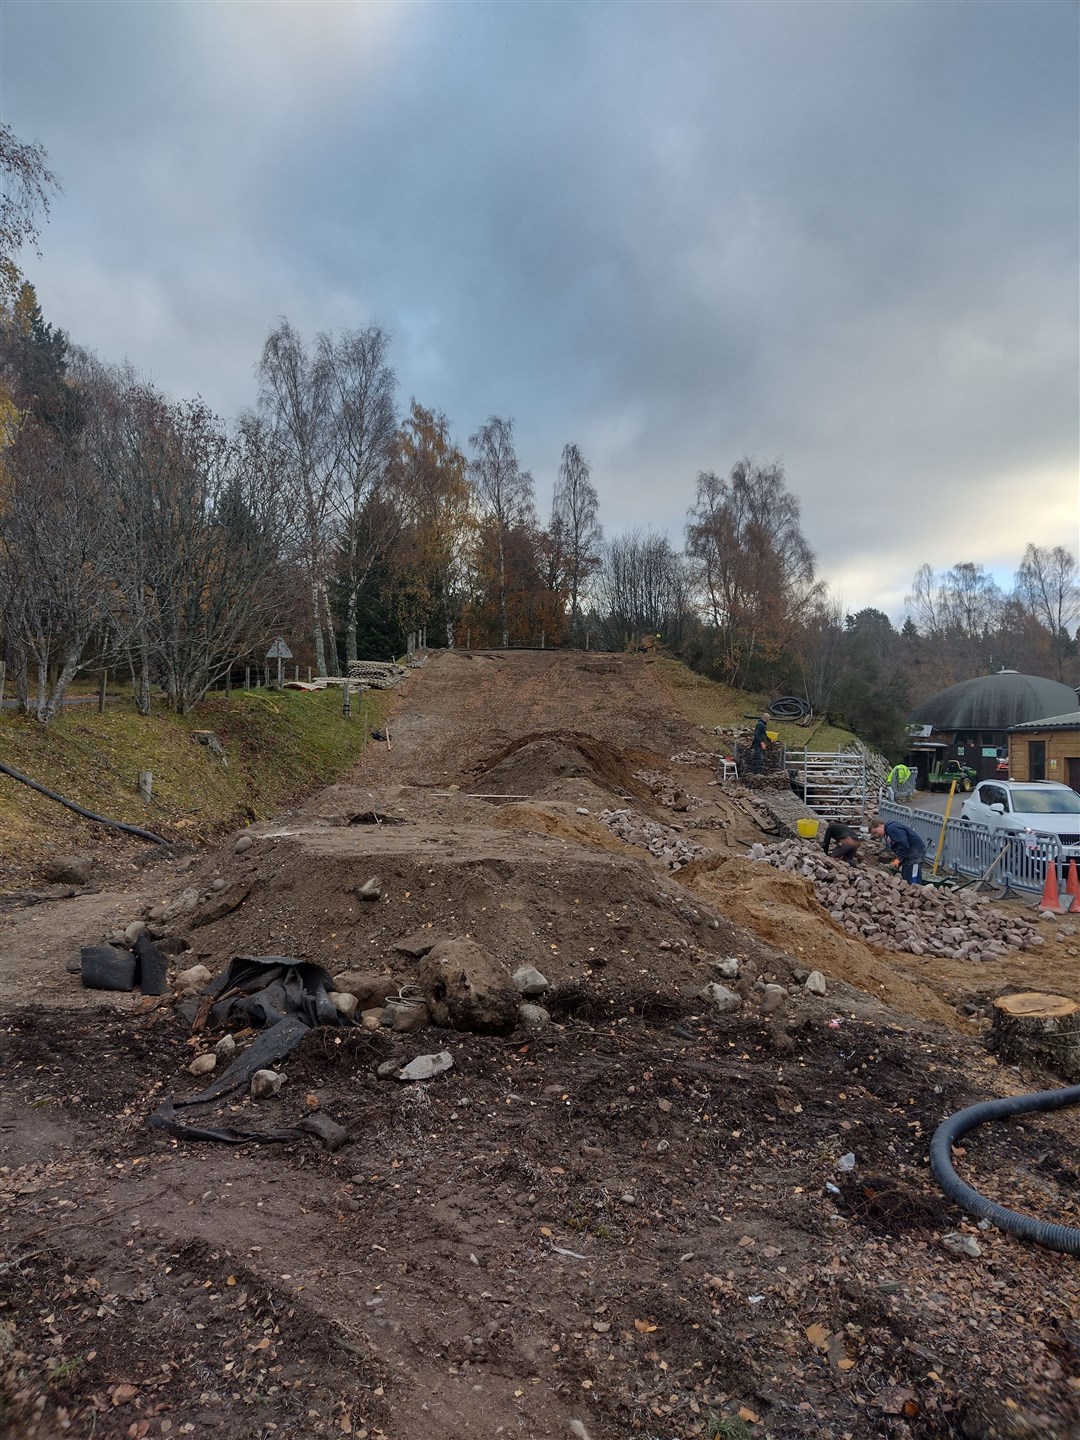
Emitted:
pixel 633 1222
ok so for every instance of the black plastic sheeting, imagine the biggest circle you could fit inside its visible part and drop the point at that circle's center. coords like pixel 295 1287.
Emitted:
pixel 287 997
pixel 263 989
pixel 113 967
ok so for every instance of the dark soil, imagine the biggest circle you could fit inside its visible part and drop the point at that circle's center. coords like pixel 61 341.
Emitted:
pixel 634 1220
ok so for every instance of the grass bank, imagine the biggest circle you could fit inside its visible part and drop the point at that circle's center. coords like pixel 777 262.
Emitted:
pixel 276 747
pixel 708 703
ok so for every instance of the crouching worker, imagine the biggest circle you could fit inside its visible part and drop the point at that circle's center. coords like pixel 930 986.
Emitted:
pixel 908 847
pixel 842 841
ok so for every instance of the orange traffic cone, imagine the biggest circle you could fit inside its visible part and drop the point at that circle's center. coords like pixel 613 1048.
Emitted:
pixel 1050 898
pixel 1072 886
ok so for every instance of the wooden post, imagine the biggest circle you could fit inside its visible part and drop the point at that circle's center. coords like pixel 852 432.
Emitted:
pixel 228 680
pixel 309 674
pixel 280 673
pixel 296 673
pixel 468 638
pixel 146 784
pixel 586 639
pixel 247 677
pixel 543 638
pixel 346 704
pixel 3 677
pixel 102 682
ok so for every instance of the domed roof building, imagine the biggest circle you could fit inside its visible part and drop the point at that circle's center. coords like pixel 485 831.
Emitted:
pixel 995 702
pixel 969 722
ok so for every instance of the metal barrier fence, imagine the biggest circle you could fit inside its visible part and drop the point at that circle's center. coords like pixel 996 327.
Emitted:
pixel 1019 860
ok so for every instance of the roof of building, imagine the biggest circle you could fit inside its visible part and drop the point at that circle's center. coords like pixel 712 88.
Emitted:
pixel 1071 721
pixel 995 702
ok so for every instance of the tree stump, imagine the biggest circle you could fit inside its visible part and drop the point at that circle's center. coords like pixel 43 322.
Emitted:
pixel 1039 1029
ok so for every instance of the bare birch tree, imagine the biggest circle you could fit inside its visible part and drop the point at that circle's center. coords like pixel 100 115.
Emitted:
pixel 362 386
pixel 1048 586
pixel 296 395
pixel 505 492
pixel 576 537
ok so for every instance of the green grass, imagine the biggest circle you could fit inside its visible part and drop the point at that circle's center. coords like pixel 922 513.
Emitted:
pixel 278 746
pixel 708 703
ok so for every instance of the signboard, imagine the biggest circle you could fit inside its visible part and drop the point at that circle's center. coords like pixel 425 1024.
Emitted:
pixel 279 650
pixel 989 752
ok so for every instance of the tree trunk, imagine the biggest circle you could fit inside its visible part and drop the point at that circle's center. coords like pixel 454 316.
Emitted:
pixel 350 626
pixel 316 630
pixel 331 638
pixel 1041 1030
pixel 502 593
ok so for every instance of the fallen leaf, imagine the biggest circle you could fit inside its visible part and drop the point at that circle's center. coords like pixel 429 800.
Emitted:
pixel 818 1336
pixel 748 1415
pixel 120 1393
pixel 644 1327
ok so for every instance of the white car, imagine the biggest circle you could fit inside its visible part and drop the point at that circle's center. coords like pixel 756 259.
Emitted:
pixel 1020 807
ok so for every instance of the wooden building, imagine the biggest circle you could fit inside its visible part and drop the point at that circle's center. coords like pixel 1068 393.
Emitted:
pixel 1047 750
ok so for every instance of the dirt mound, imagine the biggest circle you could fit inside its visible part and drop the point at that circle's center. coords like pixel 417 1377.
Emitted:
pixel 529 765
pixel 579 912
pixel 782 909
pixel 560 819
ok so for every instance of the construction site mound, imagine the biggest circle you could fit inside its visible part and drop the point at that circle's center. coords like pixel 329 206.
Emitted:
pixel 529 765
pixel 667 1207
pixel 538 886
pixel 782 909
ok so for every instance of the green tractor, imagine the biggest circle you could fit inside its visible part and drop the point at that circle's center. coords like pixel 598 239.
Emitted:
pixel 942 776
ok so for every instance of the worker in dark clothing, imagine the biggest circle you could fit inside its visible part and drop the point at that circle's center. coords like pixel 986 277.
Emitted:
pixel 759 742
pixel 908 847
pixel 844 838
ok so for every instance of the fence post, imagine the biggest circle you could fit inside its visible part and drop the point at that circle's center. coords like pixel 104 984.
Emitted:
pixel 468 638
pixel 3 677
pixel 102 681
pixel 346 704
pixel 247 677
pixel 146 784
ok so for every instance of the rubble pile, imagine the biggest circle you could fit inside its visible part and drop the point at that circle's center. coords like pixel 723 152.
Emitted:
pixel 666 792
pixel 883 909
pixel 377 674
pixel 708 758
pixel 662 841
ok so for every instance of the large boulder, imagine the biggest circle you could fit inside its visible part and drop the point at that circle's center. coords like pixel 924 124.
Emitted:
pixel 69 870
pixel 468 989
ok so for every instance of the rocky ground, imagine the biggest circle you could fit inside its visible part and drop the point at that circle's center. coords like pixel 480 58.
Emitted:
pixel 694 1202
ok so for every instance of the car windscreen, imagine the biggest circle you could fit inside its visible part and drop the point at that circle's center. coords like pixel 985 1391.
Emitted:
pixel 1046 802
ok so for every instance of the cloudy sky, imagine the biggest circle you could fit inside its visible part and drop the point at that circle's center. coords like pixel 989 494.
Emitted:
pixel 844 235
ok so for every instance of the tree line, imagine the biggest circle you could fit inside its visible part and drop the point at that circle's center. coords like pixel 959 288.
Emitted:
pixel 147 535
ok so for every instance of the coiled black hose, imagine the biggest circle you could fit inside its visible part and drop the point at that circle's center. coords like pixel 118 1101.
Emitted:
pixel 789 707
pixel 1055 1237
pixel 88 814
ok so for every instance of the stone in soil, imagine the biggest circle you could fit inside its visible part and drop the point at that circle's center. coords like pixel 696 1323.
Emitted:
pixel 468 989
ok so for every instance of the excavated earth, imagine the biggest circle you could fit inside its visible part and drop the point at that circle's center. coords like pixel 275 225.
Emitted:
pixel 633 1222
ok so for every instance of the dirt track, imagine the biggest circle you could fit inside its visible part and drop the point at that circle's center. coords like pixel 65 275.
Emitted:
pixel 622 1221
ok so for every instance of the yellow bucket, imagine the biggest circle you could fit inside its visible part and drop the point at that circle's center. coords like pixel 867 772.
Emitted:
pixel 772 736
pixel 807 828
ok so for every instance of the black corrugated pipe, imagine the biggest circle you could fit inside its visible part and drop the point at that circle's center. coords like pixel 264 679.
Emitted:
pixel 1055 1237
pixel 789 707
pixel 88 814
